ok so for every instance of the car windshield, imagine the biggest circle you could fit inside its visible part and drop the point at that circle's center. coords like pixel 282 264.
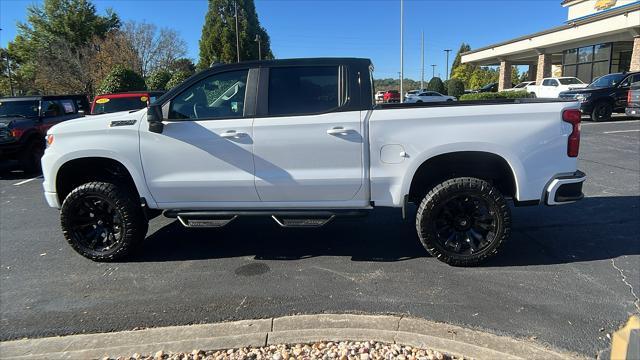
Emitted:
pixel 26 108
pixel 607 81
pixel 570 81
pixel 110 105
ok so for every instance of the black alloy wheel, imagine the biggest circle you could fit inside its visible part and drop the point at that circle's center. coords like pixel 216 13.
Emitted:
pixel 601 112
pixel 463 221
pixel 101 221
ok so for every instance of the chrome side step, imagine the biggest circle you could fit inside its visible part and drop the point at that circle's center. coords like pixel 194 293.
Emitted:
pixel 196 222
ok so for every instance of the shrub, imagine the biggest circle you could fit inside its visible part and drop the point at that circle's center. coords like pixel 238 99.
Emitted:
pixel 121 79
pixel 446 87
pixel 158 80
pixel 177 78
pixel 435 84
pixel 498 95
pixel 456 88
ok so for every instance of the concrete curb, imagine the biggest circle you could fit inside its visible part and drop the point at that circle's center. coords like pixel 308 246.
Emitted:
pixel 284 330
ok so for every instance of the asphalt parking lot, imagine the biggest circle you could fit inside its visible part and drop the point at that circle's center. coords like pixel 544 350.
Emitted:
pixel 568 276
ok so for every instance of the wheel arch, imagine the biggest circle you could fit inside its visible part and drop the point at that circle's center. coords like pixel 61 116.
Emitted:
pixel 502 170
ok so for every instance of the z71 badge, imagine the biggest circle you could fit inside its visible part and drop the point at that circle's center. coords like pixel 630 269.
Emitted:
pixel 122 123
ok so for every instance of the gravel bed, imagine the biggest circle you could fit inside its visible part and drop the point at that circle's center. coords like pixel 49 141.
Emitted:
pixel 345 350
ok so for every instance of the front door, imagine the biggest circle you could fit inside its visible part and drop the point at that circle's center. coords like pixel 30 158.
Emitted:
pixel 307 149
pixel 203 157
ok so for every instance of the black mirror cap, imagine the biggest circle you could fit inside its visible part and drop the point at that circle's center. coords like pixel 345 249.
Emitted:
pixel 154 118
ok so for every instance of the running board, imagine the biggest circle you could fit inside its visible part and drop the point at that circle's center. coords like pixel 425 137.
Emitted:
pixel 284 218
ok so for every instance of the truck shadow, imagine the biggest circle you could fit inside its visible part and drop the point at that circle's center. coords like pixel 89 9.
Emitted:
pixel 594 229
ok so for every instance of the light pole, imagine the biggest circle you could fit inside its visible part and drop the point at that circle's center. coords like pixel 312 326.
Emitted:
pixel 258 40
pixel 400 78
pixel 433 67
pixel 447 51
pixel 237 33
pixel 422 67
pixel 401 49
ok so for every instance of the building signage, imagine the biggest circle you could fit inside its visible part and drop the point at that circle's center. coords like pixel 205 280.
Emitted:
pixel 604 4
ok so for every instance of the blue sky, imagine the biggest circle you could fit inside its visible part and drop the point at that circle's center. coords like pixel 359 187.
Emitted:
pixel 360 28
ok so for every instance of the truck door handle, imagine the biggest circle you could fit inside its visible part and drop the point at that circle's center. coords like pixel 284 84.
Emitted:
pixel 232 134
pixel 338 130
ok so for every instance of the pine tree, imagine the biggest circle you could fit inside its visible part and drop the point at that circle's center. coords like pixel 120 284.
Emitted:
pixel 218 40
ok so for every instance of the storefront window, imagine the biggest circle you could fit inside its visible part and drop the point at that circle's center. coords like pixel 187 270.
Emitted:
pixel 584 72
pixel 585 54
pixel 602 52
pixel 600 68
pixel 570 56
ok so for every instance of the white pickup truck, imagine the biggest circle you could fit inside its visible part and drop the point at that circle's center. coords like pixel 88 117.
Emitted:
pixel 302 141
pixel 553 86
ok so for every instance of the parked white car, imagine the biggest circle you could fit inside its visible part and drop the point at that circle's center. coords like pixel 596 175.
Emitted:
pixel 307 147
pixel 380 96
pixel 428 96
pixel 553 86
pixel 413 92
pixel 521 87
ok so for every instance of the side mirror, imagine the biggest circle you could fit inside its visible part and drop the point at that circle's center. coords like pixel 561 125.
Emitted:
pixel 81 112
pixel 154 118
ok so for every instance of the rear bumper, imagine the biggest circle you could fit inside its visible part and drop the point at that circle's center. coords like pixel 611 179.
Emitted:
pixel 632 111
pixel 565 189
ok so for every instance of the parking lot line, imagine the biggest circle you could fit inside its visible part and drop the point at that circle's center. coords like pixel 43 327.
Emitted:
pixel 620 131
pixel 590 123
pixel 26 181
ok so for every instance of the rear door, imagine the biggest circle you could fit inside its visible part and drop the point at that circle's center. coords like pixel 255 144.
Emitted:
pixel 308 144
pixel 622 91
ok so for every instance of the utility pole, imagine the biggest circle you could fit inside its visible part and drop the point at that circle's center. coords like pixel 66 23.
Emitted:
pixel 433 67
pixel 422 67
pixel 447 51
pixel 237 33
pixel 259 46
pixel 401 50
pixel 400 79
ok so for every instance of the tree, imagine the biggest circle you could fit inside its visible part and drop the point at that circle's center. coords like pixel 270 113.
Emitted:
pixel 158 79
pixel 435 84
pixel 108 53
pixel 456 87
pixel 155 48
pixel 445 85
pixel 182 64
pixel 218 40
pixel 52 47
pixel 458 59
pixel 177 78
pixel 122 79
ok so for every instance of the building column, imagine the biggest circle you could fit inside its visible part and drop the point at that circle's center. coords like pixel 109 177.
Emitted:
pixel 635 55
pixel 532 72
pixel 504 81
pixel 543 67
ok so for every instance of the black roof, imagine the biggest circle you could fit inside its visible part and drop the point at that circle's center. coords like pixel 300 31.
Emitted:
pixel 41 97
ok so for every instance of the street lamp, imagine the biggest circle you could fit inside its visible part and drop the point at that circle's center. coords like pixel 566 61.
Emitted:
pixel 433 67
pixel 447 51
pixel 258 40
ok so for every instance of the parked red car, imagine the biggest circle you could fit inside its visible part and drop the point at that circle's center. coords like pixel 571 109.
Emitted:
pixel 109 103
pixel 391 96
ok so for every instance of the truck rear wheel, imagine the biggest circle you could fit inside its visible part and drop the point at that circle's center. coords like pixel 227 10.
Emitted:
pixel 102 222
pixel 602 112
pixel 463 221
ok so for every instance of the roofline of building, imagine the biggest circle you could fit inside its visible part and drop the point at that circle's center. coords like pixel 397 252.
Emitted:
pixel 579 21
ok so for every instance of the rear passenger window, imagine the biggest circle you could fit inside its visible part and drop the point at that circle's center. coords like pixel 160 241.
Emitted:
pixel 303 90
pixel 67 106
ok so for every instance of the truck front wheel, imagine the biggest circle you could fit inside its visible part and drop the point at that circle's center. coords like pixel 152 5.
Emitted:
pixel 602 111
pixel 102 222
pixel 463 221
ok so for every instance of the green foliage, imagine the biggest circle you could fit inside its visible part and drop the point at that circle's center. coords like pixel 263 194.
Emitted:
pixel 177 78
pixel 435 84
pixel 446 87
pixel 158 79
pixel 218 39
pixel 121 79
pixel 182 64
pixel 456 88
pixel 458 59
pixel 494 96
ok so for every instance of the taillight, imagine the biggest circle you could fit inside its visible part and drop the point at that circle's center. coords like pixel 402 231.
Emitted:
pixel 629 97
pixel 573 117
pixel 16 133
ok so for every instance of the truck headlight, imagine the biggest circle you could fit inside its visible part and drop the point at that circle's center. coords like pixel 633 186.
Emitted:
pixel 583 97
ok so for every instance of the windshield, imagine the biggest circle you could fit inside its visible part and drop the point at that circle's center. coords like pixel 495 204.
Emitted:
pixel 26 108
pixel 110 105
pixel 570 81
pixel 607 81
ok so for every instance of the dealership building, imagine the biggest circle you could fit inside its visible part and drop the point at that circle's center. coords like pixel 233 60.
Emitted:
pixel 598 38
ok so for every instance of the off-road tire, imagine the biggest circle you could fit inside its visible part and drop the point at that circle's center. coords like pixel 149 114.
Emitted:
pixel 29 158
pixel 133 222
pixel 602 111
pixel 440 194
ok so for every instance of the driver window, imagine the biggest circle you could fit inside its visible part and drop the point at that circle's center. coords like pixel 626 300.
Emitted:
pixel 218 96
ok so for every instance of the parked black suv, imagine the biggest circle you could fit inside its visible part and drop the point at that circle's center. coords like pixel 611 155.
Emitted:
pixel 604 96
pixel 24 122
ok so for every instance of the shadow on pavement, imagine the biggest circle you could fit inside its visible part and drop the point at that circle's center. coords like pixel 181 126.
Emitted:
pixel 593 229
